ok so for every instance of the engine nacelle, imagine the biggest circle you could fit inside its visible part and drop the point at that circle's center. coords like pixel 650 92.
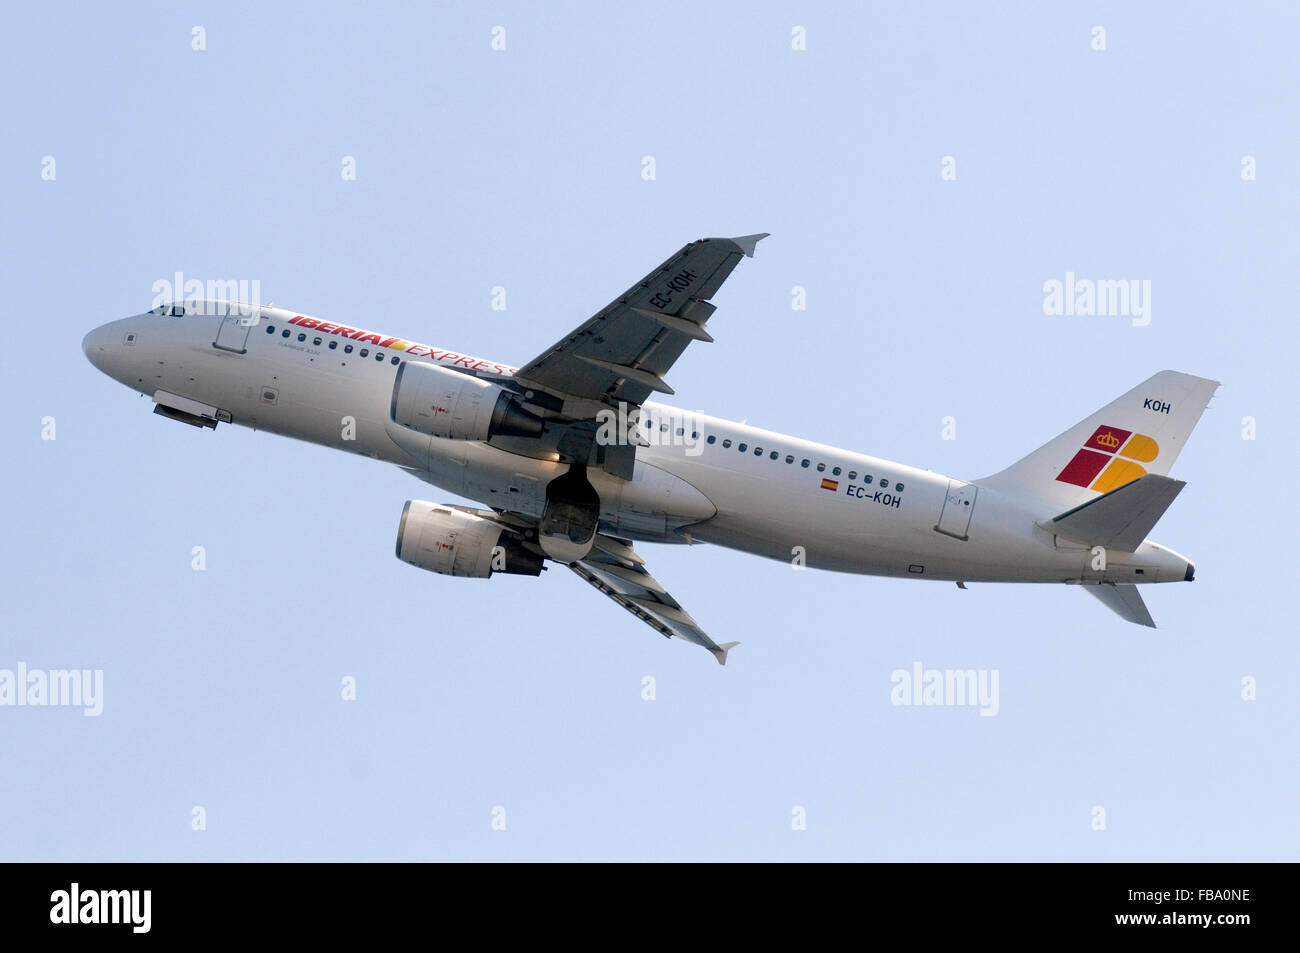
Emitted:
pixel 439 402
pixel 455 543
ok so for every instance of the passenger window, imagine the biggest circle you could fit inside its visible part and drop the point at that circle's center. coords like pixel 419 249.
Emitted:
pixel 270 329
pixel 758 451
pixel 396 359
pixel 898 488
pixel 284 333
pixel 742 447
pixel 347 349
pixel 835 472
pixel 853 474
pixel 712 439
pixel 727 442
pixel 379 356
pixel 866 478
pixel 774 454
pixel 821 468
pixel 333 345
pixel 884 484
pixel 805 463
pixel 789 458
pixel 302 337
pixel 365 352
pixel 315 342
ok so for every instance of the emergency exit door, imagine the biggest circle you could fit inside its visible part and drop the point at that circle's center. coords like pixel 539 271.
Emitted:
pixel 958 505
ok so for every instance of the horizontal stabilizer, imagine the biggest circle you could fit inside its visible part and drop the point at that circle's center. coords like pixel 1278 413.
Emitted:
pixel 1124 600
pixel 1122 518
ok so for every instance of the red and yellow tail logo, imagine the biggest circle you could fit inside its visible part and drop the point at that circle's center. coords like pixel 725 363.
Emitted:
pixel 1110 452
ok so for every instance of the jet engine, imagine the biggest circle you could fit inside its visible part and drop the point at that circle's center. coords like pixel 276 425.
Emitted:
pixel 444 403
pixel 456 543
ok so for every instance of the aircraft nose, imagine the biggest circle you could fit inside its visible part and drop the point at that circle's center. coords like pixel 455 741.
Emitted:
pixel 95 346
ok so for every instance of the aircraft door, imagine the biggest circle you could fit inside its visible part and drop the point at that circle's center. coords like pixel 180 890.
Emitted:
pixel 958 505
pixel 232 335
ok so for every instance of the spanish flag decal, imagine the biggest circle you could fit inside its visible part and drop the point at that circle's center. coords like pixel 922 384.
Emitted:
pixel 1106 461
pixel 831 485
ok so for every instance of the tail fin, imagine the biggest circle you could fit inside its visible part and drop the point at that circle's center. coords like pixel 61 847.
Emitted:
pixel 1141 432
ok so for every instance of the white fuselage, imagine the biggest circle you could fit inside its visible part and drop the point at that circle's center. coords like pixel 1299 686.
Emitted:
pixel 842 511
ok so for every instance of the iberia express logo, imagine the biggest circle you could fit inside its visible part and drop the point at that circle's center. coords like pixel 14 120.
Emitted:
pixel 1110 452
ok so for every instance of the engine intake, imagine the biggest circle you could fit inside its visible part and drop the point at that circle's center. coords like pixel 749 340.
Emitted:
pixel 439 402
pixel 455 543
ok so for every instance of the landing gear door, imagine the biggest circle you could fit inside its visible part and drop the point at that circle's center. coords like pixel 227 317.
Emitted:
pixel 233 333
pixel 958 505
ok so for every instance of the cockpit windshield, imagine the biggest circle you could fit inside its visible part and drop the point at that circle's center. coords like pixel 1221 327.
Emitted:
pixel 173 309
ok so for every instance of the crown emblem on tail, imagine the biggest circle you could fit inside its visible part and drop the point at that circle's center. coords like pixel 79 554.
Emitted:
pixel 1108 439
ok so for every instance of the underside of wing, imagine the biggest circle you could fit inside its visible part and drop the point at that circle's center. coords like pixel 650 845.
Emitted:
pixel 603 372
pixel 615 569
pixel 612 566
pixel 624 351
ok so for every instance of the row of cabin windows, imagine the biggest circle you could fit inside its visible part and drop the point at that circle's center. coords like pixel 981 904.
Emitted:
pixel 867 478
pixel 347 348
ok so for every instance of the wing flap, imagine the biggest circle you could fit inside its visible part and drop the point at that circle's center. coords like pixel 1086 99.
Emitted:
pixel 624 351
pixel 615 569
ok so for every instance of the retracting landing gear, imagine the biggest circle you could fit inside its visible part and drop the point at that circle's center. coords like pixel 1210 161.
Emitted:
pixel 568 526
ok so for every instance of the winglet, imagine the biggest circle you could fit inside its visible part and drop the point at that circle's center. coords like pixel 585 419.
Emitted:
pixel 720 652
pixel 747 242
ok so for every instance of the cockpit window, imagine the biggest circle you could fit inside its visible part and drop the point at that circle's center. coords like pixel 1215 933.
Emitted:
pixel 175 310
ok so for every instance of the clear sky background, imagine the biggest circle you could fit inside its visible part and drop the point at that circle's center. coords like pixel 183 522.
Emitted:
pixel 522 168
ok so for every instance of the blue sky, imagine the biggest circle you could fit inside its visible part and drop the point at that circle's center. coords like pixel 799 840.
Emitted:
pixel 522 168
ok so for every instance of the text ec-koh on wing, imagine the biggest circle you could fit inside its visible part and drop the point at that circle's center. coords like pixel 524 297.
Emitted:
pixel 623 352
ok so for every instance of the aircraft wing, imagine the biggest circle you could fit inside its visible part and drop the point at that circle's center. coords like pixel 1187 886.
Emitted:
pixel 623 352
pixel 615 569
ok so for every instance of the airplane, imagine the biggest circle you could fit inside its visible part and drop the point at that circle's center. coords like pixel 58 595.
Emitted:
pixel 573 464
